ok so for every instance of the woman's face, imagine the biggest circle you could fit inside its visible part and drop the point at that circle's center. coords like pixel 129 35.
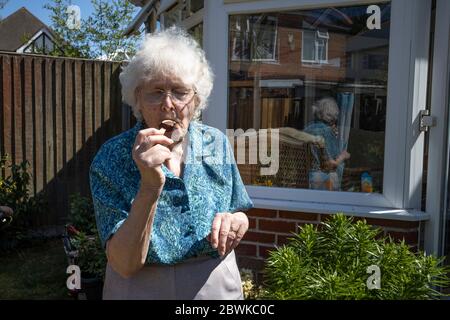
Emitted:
pixel 167 98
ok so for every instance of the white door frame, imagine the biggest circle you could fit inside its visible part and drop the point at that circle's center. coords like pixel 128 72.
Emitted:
pixel 438 135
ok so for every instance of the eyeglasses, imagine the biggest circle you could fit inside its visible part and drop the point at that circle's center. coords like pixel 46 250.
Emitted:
pixel 179 97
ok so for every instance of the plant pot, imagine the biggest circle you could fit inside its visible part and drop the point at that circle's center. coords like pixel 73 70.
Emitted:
pixel 92 288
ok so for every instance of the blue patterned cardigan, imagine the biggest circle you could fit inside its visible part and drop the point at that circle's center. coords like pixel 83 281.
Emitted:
pixel 210 183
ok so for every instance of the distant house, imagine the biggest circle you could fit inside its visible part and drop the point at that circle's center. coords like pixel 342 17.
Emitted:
pixel 23 32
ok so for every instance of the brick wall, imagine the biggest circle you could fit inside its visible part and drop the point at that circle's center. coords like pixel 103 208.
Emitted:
pixel 269 228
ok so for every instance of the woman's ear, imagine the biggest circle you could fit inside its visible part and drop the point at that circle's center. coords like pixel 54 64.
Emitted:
pixel 137 91
pixel 196 101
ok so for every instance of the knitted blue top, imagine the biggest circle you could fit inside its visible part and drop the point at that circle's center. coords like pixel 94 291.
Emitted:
pixel 210 183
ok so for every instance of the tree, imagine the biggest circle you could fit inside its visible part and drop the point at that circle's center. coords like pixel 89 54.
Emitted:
pixel 70 42
pixel 106 27
pixel 100 35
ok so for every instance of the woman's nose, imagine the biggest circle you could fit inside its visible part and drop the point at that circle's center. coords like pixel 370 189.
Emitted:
pixel 166 103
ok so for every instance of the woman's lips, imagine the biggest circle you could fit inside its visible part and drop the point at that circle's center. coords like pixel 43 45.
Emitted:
pixel 167 124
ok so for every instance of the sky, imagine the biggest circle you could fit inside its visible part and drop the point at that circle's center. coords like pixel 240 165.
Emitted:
pixel 36 8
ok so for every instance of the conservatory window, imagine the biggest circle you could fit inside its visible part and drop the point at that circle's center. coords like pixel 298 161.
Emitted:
pixel 323 103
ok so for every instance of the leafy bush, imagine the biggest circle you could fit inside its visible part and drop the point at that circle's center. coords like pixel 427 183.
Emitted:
pixel 91 257
pixel 82 229
pixel 331 263
pixel 15 194
pixel 250 289
pixel 81 214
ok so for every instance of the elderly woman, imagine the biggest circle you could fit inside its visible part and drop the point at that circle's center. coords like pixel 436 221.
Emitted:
pixel 168 198
pixel 326 114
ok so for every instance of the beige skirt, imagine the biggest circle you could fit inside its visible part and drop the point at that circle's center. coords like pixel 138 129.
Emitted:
pixel 203 278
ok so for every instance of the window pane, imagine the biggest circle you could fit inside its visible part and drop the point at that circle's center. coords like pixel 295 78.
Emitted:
pixel 240 38
pixel 197 5
pixel 197 33
pixel 317 81
pixel 39 44
pixel 49 47
pixel 321 45
pixel 190 7
pixel 173 16
pixel 264 37
pixel 309 46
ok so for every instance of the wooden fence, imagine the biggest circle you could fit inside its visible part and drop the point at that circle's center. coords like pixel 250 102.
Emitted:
pixel 56 113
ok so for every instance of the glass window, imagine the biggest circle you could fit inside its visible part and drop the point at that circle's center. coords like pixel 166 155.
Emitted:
pixel 308 46
pixel 254 37
pixel 315 46
pixel 197 33
pixel 39 43
pixel 191 7
pixel 173 16
pixel 316 80
pixel 48 44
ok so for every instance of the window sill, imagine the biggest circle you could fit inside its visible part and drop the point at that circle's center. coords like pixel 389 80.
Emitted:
pixel 351 210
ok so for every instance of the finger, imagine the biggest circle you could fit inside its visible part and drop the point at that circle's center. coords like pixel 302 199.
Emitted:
pixel 215 230
pixel 156 155
pixel 142 134
pixel 150 141
pixel 239 235
pixel 223 233
pixel 147 131
pixel 147 154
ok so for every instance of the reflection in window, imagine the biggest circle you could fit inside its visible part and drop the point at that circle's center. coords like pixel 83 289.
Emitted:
pixel 197 33
pixel 254 38
pixel 326 95
pixel 172 16
pixel 181 11
pixel 315 46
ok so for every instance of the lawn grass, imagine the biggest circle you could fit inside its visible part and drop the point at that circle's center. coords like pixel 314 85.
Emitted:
pixel 37 272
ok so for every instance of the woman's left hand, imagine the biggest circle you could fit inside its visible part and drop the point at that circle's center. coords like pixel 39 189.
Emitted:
pixel 228 230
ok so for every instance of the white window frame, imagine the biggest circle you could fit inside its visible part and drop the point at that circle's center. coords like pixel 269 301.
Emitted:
pixel 438 154
pixel 408 65
pixel 37 35
pixel 316 54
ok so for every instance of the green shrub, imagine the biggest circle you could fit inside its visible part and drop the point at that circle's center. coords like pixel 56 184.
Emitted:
pixel 81 214
pixel 331 263
pixel 14 193
pixel 250 289
pixel 91 257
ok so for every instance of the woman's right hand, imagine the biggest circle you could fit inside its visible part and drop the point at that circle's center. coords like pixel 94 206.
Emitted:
pixel 344 155
pixel 149 152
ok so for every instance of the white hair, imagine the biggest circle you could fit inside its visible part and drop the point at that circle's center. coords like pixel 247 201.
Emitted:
pixel 326 109
pixel 173 53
